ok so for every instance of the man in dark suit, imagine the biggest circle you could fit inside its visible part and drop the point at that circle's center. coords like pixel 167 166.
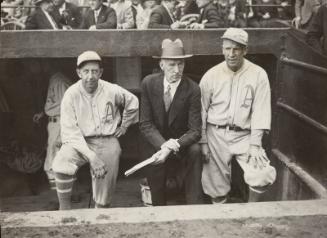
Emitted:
pixel 209 17
pixel 99 16
pixel 162 17
pixel 67 14
pixel 170 123
pixel 41 18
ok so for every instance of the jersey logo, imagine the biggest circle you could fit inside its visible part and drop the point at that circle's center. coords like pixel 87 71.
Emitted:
pixel 109 115
pixel 249 95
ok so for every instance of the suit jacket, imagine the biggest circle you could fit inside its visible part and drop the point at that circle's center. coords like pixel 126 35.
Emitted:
pixel 73 17
pixel 184 117
pixel 38 20
pixel 106 19
pixel 209 16
pixel 306 9
pixel 160 18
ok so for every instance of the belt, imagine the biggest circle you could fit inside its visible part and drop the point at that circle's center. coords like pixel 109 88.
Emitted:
pixel 53 119
pixel 97 137
pixel 230 127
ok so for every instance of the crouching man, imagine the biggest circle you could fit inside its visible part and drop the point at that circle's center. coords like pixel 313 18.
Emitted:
pixel 170 122
pixel 91 124
pixel 236 111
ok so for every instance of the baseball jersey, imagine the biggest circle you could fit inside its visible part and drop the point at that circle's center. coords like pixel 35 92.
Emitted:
pixel 58 84
pixel 98 114
pixel 241 98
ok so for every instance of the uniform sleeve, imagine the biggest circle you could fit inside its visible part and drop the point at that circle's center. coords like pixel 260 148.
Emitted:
pixel 205 103
pixel 130 105
pixel 261 108
pixel 70 132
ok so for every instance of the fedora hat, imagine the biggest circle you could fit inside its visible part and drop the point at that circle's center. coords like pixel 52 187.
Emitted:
pixel 172 50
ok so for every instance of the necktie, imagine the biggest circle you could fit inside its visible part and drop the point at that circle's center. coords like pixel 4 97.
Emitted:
pixel 167 98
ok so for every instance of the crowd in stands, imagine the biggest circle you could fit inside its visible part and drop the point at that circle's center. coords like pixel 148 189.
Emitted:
pixel 143 14
pixel 163 14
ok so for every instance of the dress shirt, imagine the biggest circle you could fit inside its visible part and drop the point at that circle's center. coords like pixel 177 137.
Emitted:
pixel 62 8
pixel 173 87
pixel 96 14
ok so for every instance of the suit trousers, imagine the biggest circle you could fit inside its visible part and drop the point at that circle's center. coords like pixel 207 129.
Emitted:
pixel 68 161
pixel 187 167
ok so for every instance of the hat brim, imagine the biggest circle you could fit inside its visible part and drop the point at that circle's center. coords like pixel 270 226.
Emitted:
pixel 229 38
pixel 172 57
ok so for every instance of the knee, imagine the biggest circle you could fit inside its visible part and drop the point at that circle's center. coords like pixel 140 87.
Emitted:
pixel 61 162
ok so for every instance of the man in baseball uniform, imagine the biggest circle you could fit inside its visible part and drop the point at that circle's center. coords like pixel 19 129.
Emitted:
pixel 58 84
pixel 236 112
pixel 91 124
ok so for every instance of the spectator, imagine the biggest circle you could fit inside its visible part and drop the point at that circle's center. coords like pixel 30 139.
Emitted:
pixel 66 13
pixel 124 13
pixel 266 15
pixel 41 17
pixel 318 30
pixel 304 12
pixel 99 16
pixel 136 9
pixel 163 16
pixel 209 17
pixel 143 16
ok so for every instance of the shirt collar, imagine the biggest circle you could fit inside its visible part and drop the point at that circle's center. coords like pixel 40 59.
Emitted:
pixel 98 11
pixel 174 84
pixel 63 7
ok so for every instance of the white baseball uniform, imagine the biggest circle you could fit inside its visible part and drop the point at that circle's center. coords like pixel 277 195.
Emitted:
pixel 58 84
pixel 230 99
pixel 88 122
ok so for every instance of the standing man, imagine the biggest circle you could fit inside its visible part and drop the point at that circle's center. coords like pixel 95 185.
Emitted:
pixel 236 111
pixel 91 124
pixel 67 14
pixel 58 84
pixel 99 16
pixel 170 122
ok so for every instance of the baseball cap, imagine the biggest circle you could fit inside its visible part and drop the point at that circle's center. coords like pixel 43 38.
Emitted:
pixel 88 56
pixel 236 34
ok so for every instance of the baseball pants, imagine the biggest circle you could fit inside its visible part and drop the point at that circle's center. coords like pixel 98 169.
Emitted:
pixel 225 145
pixel 68 161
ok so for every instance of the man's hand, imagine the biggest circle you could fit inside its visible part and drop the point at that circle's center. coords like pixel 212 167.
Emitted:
pixel 296 22
pixel 161 155
pixel 196 26
pixel 177 25
pixel 257 157
pixel 37 117
pixel 98 168
pixel 93 27
pixel 206 154
pixel 120 131
pixel 171 144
